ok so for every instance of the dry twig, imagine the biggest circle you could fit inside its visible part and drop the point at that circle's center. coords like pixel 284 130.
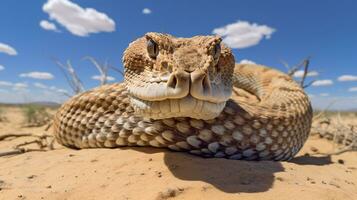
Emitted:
pixel 11 135
pixel 75 82
pixel 102 68
pixel 71 76
pixel 292 70
pixel 44 142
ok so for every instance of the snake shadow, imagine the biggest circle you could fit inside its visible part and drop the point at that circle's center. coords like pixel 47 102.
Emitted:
pixel 308 159
pixel 230 176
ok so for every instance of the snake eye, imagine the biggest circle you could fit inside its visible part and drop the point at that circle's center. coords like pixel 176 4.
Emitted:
pixel 217 51
pixel 153 48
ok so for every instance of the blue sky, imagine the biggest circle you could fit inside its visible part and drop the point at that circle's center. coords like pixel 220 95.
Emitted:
pixel 264 32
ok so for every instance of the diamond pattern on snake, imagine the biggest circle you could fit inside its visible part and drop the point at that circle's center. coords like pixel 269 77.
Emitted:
pixel 188 94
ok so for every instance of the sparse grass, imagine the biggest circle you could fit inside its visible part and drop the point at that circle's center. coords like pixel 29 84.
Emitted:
pixel 36 115
pixel 2 115
pixel 30 117
pixel 341 128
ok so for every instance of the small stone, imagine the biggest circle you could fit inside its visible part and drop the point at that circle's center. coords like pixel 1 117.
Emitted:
pixel 31 176
pixel 159 174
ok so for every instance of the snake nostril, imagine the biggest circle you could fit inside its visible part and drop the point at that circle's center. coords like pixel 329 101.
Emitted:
pixel 201 85
pixel 178 85
pixel 206 84
pixel 172 83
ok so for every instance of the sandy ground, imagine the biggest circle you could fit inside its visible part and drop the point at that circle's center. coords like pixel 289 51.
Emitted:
pixel 147 173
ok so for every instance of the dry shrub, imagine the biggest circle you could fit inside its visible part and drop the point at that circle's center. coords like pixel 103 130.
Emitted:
pixel 36 115
pixel 339 128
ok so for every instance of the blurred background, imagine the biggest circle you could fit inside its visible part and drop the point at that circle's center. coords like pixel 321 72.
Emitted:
pixel 41 40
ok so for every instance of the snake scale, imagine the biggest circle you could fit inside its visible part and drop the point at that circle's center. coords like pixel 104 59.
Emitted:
pixel 188 94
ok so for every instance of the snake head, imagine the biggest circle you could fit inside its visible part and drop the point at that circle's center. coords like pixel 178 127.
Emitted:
pixel 169 77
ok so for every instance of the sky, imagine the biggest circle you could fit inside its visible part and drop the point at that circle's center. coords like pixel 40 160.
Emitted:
pixel 35 34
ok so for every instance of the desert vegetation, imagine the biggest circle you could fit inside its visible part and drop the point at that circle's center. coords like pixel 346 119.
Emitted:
pixel 2 115
pixel 338 127
pixel 36 115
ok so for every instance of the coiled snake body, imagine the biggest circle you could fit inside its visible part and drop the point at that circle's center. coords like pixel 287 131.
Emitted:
pixel 187 94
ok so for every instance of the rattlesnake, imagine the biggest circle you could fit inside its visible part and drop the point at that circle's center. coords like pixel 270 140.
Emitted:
pixel 187 94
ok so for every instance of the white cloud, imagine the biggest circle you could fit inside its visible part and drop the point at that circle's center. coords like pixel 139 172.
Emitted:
pixel 77 20
pixel 48 25
pixel 40 85
pixel 245 61
pixel 347 78
pixel 5 83
pixel 58 90
pixel 62 91
pixel 5 48
pixel 2 67
pixel 20 86
pixel 352 89
pixel 324 94
pixel 243 34
pixel 98 77
pixel 325 82
pixel 3 91
pixel 300 74
pixel 37 75
pixel 146 11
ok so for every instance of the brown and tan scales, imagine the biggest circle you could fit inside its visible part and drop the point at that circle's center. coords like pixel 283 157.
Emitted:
pixel 268 116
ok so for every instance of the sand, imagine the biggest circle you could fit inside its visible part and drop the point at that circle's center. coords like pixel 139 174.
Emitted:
pixel 148 173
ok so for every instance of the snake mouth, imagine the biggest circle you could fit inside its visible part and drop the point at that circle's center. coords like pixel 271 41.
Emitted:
pixel 187 106
pixel 184 94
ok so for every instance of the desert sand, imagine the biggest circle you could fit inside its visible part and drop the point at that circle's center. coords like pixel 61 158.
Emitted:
pixel 148 173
